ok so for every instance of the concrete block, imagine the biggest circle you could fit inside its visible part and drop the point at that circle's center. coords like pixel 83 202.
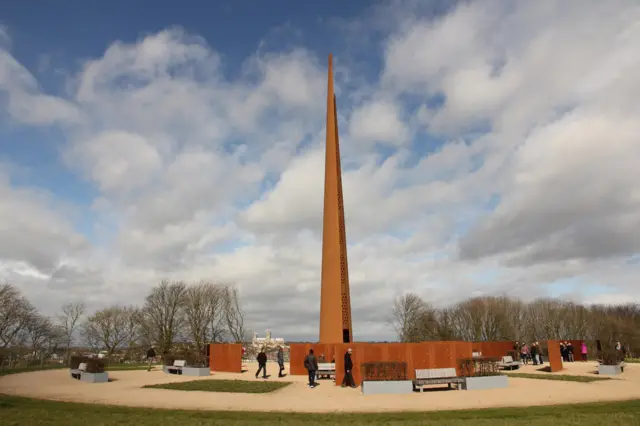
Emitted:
pixel 486 382
pixel 396 387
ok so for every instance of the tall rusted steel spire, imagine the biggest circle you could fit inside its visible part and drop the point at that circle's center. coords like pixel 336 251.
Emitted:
pixel 335 301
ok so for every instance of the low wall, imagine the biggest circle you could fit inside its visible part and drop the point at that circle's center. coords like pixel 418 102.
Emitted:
pixel 225 357
pixel 498 349
pixel 416 355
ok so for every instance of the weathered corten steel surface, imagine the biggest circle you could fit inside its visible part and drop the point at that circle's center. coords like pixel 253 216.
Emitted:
pixel 335 303
pixel 493 348
pixel 298 352
pixel 555 358
pixel 225 357
pixel 416 356
pixel 384 371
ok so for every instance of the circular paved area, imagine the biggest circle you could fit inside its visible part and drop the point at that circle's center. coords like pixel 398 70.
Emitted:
pixel 126 389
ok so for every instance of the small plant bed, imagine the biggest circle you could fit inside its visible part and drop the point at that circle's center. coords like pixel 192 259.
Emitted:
pixel 560 377
pixel 230 386
pixel 632 360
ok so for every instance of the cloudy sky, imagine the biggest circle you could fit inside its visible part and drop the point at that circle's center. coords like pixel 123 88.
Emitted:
pixel 489 147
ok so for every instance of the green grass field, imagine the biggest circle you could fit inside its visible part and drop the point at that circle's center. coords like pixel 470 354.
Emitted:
pixel 24 411
pixel 561 377
pixel 233 386
pixel 112 367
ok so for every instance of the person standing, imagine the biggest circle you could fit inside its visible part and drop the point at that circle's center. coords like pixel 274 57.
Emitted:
pixel 524 354
pixel 311 364
pixel 348 370
pixel 534 354
pixel 151 355
pixel 539 353
pixel 570 351
pixel 280 358
pixel 262 364
pixel 583 351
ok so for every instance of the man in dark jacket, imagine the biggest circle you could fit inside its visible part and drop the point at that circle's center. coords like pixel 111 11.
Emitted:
pixel 311 364
pixel 262 364
pixel 280 358
pixel 534 353
pixel 348 370
pixel 151 354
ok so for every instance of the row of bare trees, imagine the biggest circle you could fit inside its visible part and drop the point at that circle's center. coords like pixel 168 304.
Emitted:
pixel 172 313
pixel 503 318
pixel 21 325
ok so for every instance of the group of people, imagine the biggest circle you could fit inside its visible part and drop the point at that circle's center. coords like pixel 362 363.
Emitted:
pixel 533 352
pixel 262 362
pixel 310 363
pixel 529 352
pixel 567 351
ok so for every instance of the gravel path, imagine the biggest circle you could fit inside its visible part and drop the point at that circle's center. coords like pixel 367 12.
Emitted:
pixel 125 389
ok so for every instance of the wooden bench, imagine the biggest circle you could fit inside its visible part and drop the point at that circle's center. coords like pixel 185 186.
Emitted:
pixel 327 370
pixel 177 366
pixel 437 376
pixel 508 363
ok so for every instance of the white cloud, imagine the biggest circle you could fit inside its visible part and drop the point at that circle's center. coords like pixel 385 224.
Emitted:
pixel 198 175
pixel 378 121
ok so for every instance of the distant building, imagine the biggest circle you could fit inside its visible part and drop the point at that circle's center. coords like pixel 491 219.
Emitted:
pixel 267 342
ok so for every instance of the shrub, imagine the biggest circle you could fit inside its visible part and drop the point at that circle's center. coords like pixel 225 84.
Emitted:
pixel 610 357
pixel 76 360
pixel 479 366
pixel 95 366
pixel 168 359
pixel 191 359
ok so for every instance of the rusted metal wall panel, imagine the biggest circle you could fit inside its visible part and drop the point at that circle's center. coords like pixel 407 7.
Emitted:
pixel 225 357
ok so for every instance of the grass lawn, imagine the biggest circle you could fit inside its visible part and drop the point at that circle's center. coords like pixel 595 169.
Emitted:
pixel 24 411
pixel 233 386
pixel 113 367
pixel 561 377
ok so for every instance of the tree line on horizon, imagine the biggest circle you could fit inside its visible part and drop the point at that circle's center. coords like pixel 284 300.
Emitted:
pixel 171 314
pixel 491 318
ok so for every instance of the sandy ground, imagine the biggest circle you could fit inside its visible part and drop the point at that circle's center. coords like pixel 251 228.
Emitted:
pixel 125 389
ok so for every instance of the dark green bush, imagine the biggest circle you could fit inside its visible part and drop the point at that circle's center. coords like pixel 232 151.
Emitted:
pixel 167 359
pixel 610 357
pixel 76 360
pixel 95 365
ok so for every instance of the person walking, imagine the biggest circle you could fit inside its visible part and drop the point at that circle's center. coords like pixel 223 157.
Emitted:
pixel 348 370
pixel 583 351
pixel 151 355
pixel 539 353
pixel 280 358
pixel 311 364
pixel 262 364
pixel 534 354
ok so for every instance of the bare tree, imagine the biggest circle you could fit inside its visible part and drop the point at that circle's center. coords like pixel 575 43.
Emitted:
pixel 162 315
pixel 234 315
pixel 43 337
pixel 406 316
pixel 203 313
pixel 15 313
pixel 68 319
pixel 111 328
